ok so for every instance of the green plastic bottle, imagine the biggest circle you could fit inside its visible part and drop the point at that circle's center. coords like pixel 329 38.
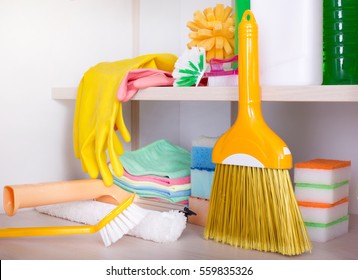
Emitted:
pixel 340 42
pixel 240 7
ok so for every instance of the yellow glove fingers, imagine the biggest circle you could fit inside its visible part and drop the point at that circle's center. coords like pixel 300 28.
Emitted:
pixel 121 126
pixel 76 121
pixel 86 121
pixel 113 156
pixel 88 159
pixel 100 153
pixel 118 147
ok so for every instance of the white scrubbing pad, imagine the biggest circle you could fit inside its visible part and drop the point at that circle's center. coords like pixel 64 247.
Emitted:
pixel 161 226
pixel 323 233
pixel 321 176
pixel 324 215
pixel 322 171
pixel 156 226
pixel 321 193
pixel 87 212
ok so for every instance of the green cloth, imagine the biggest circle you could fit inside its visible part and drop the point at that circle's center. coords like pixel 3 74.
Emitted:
pixel 160 158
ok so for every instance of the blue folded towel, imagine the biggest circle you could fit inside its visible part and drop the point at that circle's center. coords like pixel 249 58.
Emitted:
pixel 151 190
pixel 153 194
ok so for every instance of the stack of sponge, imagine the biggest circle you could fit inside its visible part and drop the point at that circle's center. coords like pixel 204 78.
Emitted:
pixel 321 189
pixel 202 173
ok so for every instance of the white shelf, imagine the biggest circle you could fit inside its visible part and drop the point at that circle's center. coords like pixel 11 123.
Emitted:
pixel 336 93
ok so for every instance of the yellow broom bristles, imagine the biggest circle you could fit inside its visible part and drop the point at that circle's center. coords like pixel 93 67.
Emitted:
pixel 255 208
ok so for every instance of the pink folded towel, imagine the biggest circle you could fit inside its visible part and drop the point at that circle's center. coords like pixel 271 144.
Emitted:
pixel 142 78
pixel 159 180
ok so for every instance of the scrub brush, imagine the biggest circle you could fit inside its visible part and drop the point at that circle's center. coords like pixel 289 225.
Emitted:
pixel 112 227
pixel 189 68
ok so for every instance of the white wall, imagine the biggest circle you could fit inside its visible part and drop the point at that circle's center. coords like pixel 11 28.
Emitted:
pixel 163 29
pixel 46 44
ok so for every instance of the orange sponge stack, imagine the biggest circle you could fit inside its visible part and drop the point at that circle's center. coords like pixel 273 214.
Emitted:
pixel 321 189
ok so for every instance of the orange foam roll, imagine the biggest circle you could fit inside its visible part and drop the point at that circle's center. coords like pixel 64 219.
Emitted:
pixel 32 195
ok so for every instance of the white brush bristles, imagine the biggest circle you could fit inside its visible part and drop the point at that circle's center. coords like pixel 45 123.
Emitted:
pixel 122 224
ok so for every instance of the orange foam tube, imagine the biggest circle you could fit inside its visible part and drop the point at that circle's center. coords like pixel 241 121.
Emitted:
pixel 32 195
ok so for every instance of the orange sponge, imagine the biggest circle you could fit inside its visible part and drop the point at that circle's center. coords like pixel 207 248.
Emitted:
pixel 327 164
pixel 322 171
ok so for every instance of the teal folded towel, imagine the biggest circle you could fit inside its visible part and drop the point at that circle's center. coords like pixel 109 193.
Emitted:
pixel 160 158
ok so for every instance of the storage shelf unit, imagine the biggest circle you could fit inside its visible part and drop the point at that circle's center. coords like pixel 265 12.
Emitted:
pixel 346 93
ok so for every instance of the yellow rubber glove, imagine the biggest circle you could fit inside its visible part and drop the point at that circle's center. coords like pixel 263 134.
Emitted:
pixel 98 112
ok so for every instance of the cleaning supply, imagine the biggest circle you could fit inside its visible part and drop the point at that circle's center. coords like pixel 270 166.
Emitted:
pixel 112 227
pixel 162 227
pixel 323 213
pixel 321 188
pixel 252 203
pixel 340 42
pixel 201 153
pixel 189 68
pixel 223 72
pixel 98 112
pixel 165 181
pixel 201 183
pixel 322 171
pixel 31 195
pixel 160 158
pixel 202 167
pixel 200 206
pixel 322 180
pixel 319 232
pixel 138 79
pixel 290 40
pixel 214 30
pixel 172 197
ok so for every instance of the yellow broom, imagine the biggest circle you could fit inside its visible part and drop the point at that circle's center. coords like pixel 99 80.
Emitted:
pixel 252 203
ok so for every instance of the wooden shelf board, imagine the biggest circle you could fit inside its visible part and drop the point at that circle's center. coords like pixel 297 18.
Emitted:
pixel 347 93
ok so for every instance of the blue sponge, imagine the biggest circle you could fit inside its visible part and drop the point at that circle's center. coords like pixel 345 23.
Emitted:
pixel 201 183
pixel 201 152
pixel 201 158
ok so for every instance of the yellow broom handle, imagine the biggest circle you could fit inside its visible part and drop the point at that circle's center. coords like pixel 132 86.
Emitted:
pixel 249 84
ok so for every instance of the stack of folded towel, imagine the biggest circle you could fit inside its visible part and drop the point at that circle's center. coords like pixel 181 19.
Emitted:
pixel 159 171
pixel 202 173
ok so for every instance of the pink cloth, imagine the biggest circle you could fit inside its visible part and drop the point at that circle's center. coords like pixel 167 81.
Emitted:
pixel 142 78
pixel 159 180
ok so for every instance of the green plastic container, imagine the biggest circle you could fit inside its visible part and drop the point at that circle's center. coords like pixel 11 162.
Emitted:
pixel 340 42
pixel 240 7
